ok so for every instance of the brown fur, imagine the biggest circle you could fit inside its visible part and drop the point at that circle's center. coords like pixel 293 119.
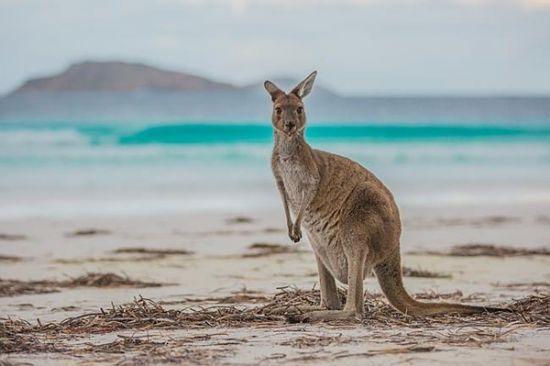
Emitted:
pixel 349 216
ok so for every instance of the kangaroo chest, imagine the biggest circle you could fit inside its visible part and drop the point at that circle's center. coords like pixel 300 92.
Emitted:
pixel 297 181
pixel 300 183
pixel 320 218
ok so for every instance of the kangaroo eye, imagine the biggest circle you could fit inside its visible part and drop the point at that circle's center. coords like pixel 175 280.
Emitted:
pixel 278 110
pixel 300 110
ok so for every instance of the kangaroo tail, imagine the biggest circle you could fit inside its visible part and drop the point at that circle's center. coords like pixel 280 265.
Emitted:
pixel 389 276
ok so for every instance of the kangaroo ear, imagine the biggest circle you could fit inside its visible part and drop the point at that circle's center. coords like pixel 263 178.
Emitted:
pixel 304 88
pixel 272 89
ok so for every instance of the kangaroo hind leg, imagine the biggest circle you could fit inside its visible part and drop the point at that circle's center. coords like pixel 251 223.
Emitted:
pixel 354 307
pixel 329 292
pixel 329 295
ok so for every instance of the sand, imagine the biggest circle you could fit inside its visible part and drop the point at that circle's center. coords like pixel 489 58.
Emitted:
pixel 201 261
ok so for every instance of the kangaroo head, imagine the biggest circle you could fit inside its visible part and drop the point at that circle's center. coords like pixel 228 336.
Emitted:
pixel 289 117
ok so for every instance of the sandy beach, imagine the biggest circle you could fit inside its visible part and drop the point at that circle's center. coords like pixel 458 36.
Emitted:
pixel 220 266
pixel 146 148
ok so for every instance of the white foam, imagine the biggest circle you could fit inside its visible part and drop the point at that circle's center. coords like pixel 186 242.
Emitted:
pixel 42 137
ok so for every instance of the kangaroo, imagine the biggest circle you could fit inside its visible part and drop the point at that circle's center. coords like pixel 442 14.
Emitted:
pixel 350 217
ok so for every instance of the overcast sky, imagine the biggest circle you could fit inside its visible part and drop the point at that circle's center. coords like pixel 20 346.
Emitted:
pixel 358 46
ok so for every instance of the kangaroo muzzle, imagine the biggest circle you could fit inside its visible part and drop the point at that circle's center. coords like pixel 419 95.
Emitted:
pixel 289 126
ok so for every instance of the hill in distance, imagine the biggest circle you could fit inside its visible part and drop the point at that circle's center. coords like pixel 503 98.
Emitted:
pixel 119 76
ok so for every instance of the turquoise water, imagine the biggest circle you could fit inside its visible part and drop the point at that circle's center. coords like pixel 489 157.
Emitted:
pixel 262 133
pixel 209 134
pixel 96 169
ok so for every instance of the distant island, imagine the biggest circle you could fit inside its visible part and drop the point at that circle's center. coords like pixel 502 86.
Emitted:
pixel 118 91
pixel 119 76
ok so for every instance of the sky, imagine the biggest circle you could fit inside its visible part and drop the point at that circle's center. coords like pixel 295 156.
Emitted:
pixel 359 47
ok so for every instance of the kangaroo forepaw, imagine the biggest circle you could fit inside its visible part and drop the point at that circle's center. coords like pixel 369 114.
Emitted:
pixel 295 233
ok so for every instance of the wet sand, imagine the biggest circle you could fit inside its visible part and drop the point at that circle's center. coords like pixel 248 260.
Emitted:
pixel 242 260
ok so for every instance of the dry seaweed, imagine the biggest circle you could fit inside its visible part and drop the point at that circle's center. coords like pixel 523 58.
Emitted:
pixel 65 309
pixel 316 341
pixel 17 336
pixel 272 230
pixel 420 273
pixel 148 352
pixel 388 351
pixel 223 232
pixel 10 258
pixel 14 363
pixel 12 237
pixel 523 285
pixel 152 251
pixel 18 287
pixel 243 296
pixel 239 220
pixel 88 232
pixel 478 222
pixel 470 250
pixel 446 296
pixel 106 280
pixel 142 255
pixel 125 344
pixel 145 314
pixel 266 249
pixel 143 258
pixel 489 250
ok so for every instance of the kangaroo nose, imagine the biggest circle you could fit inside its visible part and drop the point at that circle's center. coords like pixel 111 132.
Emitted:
pixel 289 124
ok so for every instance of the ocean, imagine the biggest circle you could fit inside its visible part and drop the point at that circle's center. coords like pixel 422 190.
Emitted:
pixel 64 169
